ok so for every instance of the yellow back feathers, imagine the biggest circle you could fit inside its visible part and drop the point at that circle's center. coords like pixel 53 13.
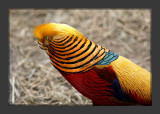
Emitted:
pixel 133 79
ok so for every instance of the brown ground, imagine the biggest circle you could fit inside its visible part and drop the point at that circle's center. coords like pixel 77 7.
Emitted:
pixel 35 81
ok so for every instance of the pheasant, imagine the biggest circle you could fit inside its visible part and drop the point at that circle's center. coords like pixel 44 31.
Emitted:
pixel 95 71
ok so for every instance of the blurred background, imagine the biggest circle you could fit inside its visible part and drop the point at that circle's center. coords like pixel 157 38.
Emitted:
pixel 34 81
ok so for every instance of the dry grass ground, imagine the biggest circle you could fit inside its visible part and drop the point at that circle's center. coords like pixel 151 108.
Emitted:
pixel 35 81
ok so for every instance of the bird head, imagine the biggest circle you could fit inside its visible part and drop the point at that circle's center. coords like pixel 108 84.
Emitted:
pixel 49 32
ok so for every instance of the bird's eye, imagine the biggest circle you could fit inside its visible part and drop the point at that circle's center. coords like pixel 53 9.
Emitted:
pixel 46 37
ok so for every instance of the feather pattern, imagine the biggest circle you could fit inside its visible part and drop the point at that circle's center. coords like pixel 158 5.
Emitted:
pixel 109 57
pixel 98 73
pixel 75 57
pixel 134 80
pixel 91 85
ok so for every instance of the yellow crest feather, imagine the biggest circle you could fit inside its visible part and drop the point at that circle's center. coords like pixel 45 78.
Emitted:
pixel 54 29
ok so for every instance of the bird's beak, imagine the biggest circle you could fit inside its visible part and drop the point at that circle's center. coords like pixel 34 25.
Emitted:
pixel 42 46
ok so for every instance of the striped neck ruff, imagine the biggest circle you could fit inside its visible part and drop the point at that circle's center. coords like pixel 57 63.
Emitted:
pixel 74 54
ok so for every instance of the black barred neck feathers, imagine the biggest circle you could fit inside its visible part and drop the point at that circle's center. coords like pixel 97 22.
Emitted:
pixel 67 48
pixel 73 54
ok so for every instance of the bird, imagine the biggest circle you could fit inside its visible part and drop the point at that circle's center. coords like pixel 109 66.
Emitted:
pixel 103 76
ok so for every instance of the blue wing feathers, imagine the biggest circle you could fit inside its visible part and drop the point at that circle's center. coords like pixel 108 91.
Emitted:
pixel 118 93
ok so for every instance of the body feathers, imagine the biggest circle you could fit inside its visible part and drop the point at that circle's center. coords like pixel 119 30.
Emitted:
pixel 98 73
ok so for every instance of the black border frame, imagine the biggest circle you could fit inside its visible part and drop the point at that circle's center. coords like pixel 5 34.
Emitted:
pixel 4 85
